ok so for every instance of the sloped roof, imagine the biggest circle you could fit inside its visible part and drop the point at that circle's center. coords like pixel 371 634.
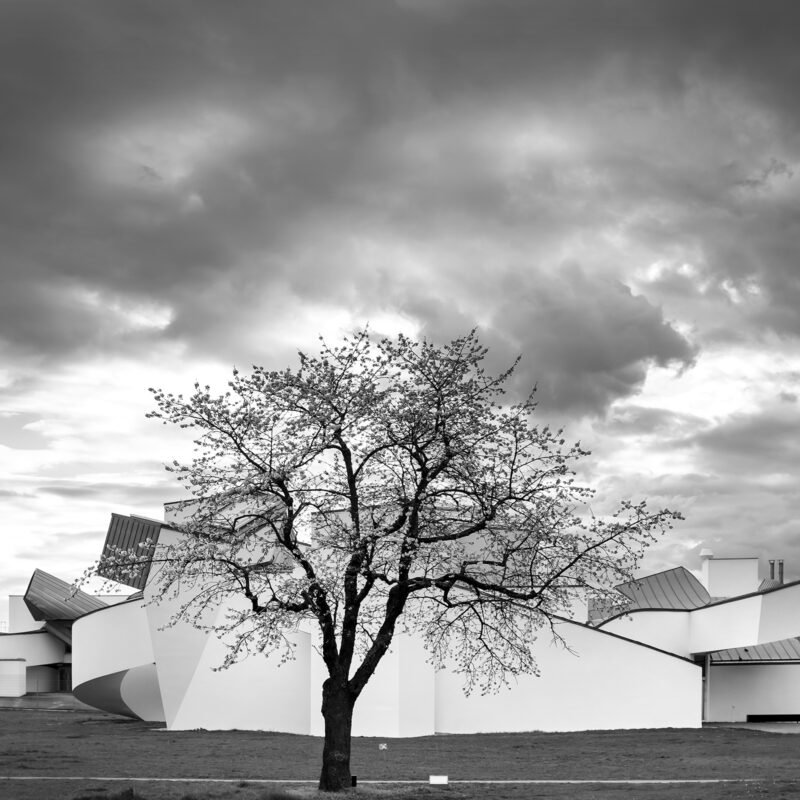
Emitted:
pixel 674 589
pixel 50 598
pixel 129 534
pixel 781 650
pixel 61 629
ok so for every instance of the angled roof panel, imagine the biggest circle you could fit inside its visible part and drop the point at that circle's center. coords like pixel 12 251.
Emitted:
pixel 129 535
pixel 61 629
pixel 50 598
pixel 781 650
pixel 674 589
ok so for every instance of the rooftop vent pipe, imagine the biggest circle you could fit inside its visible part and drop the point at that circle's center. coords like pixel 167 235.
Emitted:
pixel 780 570
pixel 772 569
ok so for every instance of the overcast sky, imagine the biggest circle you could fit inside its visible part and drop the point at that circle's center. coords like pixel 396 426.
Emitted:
pixel 611 189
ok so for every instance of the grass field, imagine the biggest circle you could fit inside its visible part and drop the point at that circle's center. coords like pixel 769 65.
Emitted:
pixel 58 744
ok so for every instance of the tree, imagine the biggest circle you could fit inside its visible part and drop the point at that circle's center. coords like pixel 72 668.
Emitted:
pixel 385 483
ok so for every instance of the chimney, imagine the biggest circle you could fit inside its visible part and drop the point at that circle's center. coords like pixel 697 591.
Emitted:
pixel 772 569
pixel 780 570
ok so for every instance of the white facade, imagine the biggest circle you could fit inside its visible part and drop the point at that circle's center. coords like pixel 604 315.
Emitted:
pixel 606 681
pixel 663 663
pixel 602 681
pixel 116 667
pixel 34 647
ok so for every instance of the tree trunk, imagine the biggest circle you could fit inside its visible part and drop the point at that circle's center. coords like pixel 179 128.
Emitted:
pixel 337 709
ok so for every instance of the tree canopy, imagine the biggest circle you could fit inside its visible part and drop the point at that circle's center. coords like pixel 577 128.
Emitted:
pixel 383 485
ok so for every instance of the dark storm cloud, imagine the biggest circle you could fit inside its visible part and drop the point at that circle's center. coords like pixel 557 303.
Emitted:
pixel 204 167
pixel 744 253
pixel 749 446
pixel 587 341
pixel 741 497
pixel 189 182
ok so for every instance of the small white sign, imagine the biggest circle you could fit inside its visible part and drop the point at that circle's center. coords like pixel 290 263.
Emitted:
pixel 439 779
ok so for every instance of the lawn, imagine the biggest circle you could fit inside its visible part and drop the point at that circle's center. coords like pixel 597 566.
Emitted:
pixel 59 744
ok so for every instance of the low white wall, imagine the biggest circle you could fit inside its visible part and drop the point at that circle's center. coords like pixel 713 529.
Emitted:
pixel 417 697
pixel 611 683
pixel 12 677
pixel 259 693
pixel 399 700
pixel 738 690
pixel 35 648
pixel 608 683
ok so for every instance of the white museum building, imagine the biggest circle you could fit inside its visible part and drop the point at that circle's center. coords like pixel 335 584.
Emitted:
pixel 675 651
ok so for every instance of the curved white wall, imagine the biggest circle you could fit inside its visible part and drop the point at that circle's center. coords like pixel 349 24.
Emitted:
pixel 36 648
pixel 113 639
pixel 112 665
pixel 139 691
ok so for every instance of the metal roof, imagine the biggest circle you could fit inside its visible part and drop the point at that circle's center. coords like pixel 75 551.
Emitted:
pixel 50 598
pixel 129 535
pixel 674 588
pixel 781 650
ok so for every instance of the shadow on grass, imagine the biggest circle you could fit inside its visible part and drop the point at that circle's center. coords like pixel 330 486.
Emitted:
pixel 279 793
